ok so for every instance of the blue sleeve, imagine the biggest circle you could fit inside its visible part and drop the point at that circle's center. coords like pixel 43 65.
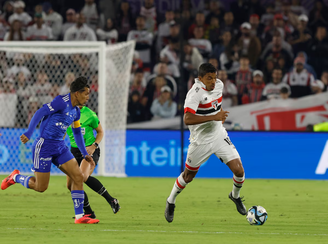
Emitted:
pixel 79 140
pixel 47 109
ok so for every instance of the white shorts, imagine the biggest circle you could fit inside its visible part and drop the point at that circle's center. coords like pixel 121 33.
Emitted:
pixel 199 154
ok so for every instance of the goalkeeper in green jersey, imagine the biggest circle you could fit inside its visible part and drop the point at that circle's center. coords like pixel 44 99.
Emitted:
pixel 90 122
pixel 318 127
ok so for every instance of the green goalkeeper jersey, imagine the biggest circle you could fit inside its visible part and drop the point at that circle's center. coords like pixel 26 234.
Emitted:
pixel 89 121
pixel 321 127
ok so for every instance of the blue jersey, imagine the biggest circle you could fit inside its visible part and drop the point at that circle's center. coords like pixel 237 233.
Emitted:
pixel 61 114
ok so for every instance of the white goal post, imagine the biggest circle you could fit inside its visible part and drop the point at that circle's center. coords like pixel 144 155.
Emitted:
pixel 33 73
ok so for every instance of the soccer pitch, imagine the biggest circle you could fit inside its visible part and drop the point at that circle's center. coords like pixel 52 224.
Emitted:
pixel 297 213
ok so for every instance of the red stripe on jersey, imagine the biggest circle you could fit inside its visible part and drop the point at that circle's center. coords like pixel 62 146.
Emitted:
pixel 190 110
pixel 238 182
pixel 179 185
pixel 204 89
pixel 192 168
pixel 209 105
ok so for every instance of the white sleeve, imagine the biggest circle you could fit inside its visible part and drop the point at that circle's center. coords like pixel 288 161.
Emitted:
pixel 50 35
pixel 192 100
pixel 209 47
pixel 264 93
pixel 68 35
pixel 284 80
pixel 92 36
pixel 129 36
pixel 233 89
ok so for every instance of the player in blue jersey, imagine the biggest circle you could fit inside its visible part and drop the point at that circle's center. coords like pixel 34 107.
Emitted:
pixel 50 147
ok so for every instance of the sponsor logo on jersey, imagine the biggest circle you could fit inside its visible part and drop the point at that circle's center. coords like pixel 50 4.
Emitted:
pixel 83 131
pixel 215 104
pixel 64 127
pixel 50 107
pixel 45 159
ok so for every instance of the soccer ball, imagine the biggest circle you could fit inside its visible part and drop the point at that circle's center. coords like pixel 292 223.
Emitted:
pixel 256 215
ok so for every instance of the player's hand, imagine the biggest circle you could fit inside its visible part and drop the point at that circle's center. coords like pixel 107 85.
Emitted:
pixel 89 159
pixel 24 138
pixel 91 149
pixel 221 116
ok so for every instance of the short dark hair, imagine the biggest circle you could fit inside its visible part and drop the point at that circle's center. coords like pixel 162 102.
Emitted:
pixel 79 84
pixel 139 70
pixel 284 90
pixel 206 68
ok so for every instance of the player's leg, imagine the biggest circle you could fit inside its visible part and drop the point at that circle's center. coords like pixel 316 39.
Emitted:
pixel 98 187
pixel 196 156
pixel 229 155
pixel 68 164
pixel 41 166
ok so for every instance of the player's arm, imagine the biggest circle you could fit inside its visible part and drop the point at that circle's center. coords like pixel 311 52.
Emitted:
pixel 47 109
pixel 76 128
pixel 99 137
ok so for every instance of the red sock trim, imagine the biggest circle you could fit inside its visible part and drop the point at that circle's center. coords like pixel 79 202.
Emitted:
pixel 179 185
pixel 238 182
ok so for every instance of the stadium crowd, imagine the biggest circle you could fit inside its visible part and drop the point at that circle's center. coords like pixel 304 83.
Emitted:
pixel 262 49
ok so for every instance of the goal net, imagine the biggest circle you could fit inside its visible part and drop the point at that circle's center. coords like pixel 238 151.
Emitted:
pixel 33 73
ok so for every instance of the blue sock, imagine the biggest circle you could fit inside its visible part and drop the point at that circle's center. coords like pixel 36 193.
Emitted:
pixel 22 179
pixel 78 200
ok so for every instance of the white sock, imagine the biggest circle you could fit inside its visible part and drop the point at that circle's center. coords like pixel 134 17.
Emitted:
pixel 78 216
pixel 179 185
pixel 237 184
pixel 14 178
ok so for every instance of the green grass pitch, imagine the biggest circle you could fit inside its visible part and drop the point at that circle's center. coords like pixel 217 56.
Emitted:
pixel 297 213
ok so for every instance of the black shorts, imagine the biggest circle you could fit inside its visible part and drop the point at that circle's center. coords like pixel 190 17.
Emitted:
pixel 79 157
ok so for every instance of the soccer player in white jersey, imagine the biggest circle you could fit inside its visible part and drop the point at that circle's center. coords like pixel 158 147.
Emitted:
pixel 204 117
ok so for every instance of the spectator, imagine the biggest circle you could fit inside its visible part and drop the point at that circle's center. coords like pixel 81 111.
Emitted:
pixel 243 77
pixel 148 10
pixel 317 86
pixel 240 10
pixel 54 68
pixel 7 11
pixel 80 31
pixel 170 56
pixel 299 79
pixel 70 21
pixel 284 93
pixel 152 91
pixel 33 106
pixel 254 90
pixel 184 21
pixel 43 88
pixel 215 11
pixel 306 65
pixel 324 79
pixel 291 19
pixel 138 83
pixel 229 59
pixel 272 89
pixel 109 34
pixel 300 37
pixel 39 31
pixel 257 27
pixel 15 33
pixel 255 7
pixel 52 19
pixel 267 18
pixel 136 111
pixel 220 47
pixel 24 92
pixel 318 16
pixel 229 93
pixel 296 8
pixel 278 25
pixel 163 106
pixel 8 102
pixel 275 50
pixel 69 78
pixel 213 31
pixel 3 29
pixel 249 45
pixel 94 18
pixel 163 68
pixel 192 59
pixel 124 21
pixel 136 62
pixel 269 65
pixel 199 21
pixel 18 67
pixel 318 50
pixel 144 40
pixel 304 20
pixel 229 25
pixel 19 14
pixel 164 30
pixel 204 46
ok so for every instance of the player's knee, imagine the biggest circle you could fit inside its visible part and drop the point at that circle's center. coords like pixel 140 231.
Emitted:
pixel 85 177
pixel 239 172
pixel 41 188
pixel 69 185
pixel 78 178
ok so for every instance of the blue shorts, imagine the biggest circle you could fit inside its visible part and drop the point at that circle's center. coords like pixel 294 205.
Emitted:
pixel 47 151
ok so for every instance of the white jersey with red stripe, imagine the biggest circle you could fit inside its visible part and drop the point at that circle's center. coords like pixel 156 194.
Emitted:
pixel 202 102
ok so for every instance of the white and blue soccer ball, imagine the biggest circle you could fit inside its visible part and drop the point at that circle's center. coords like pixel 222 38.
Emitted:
pixel 256 215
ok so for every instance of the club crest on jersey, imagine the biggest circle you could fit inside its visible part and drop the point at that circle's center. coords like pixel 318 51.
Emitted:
pixel 215 104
